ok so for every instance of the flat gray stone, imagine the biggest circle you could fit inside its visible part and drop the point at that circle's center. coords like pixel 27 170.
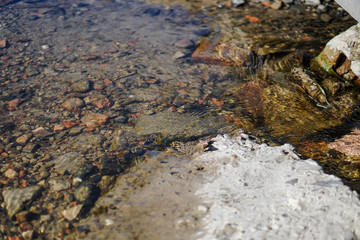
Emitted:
pixel 16 199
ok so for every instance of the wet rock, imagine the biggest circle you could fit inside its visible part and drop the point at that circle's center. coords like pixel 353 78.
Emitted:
pixel 73 104
pixel 203 32
pixel 83 193
pixel 312 2
pixel 152 11
pixel 185 43
pixel 325 18
pixel 179 54
pixel 69 162
pixel 11 173
pixel 31 71
pixel 31 147
pixel 41 132
pixel 342 48
pixel 276 5
pixel 3 43
pixel 71 213
pixel 24 138
pixel 16 199
pixel 87 142
pixel 68 124
pixel 101 102
pixel 237 3
pixel 76 130
pixel 13 104
pixel 80 86
pixel 94 119
pixel 58 184
pixel 348 144
pixel 119 142
pixel 50 72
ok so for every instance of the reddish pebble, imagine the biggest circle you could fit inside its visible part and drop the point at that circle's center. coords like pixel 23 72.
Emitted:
pixel 91 58
pixel 22 174
pixel 94 119
pixel 25 226
pixel 68 124
pixel 102 103
pixel 89 130
pixel 108 81
pixel 13 238
pixel 3 43
pixel 11 105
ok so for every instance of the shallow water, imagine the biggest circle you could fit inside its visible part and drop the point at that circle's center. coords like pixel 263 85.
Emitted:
pixel 126 60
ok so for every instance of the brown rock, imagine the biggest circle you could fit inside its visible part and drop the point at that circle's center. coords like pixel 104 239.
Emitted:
pixel 348 144
pixel 12 105
pixel 22 216
pixel 185 43
pixel 11 173
pixel 94 119
pixel 73 104
pixel 108 81
pixel 68 124
pixel 58 127
pixel 25 226
pixel 101 102
pixel 3 43
pixel 24 138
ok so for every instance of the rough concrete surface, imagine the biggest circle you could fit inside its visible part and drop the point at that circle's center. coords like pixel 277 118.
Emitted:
pixel 238 189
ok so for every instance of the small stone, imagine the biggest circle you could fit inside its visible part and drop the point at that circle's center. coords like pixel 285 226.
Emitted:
pixel 76 130
pixel 50 72
pixel 68 124
pixel 185 43
pixel 73 163
pixel 28 235
pixel 73 104
pixel 11 173
pixel 237 3
pixel 41 132
pixel 276 5
pixel 83 193
pixel 101 102
pixel 80 86
pixel 325 18
pixel 71 213
pixel 57 185
pixel 312 2
pixel 3 43
pixel 178 55
pixel 119 142
pixel 22 216
pixel 31 147
pixel 107 81
pixel 94 119
pixel 15 199
pixel 58 127
pixel 152 11
pixel 13 104
pixel 25 226
pixel 31 71
pixel 24 138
